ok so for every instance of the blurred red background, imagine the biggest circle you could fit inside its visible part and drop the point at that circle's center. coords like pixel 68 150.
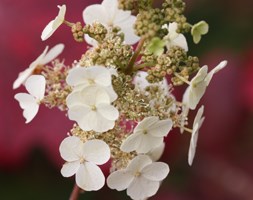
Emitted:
pixel 223 168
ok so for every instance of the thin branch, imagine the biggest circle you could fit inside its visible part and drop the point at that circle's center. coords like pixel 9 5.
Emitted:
pixel 141 66
pixel 135 56
pixel 68 23
pixel 75 193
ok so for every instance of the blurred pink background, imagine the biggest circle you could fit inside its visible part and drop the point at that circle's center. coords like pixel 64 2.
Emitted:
pixel 223 168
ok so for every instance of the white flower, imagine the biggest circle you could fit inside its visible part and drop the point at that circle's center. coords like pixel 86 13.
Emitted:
pixel 82 160
pixel 109 15
pixel 81 77
pixel 174 38
pixel 198 85
pixel 141 178
pixel 35 85
pixel 156 153
pixel 141 83
pixel 195 133
pixel 148 134
pixel 43 59
pixel 54 24
pixel 91 109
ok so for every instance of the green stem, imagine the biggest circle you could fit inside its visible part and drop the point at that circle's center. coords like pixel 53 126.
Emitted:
pixel 135 56
pixel 141 66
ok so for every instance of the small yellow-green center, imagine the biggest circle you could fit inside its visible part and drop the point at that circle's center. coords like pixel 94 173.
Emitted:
pixel 137 174
pixel 93 108
pixel 82 160
pixel 91 81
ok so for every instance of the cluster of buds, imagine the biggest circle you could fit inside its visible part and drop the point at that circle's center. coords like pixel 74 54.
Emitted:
pixel 119 99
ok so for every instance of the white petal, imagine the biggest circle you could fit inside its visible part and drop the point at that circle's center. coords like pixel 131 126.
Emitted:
pixel 215 70
pixel 110 91
pixel 160 128
pixel 80 114
pixel 185 99
pixel 95 95
pixel 141 82
pixel 22 77
pixel 91 76
pixel 89 177
pixel 172 27
pixel 196 89
pixel 94 13
pixel 156 171
pixel 198 117
pixel 145 124
pixel 29 104
pixel 138 163
pixel 38 60
pixel 54 24
pixel 113 71
pixel 71 148
pixel 119 180
pixel 123 17
pixel 90 120
pixel 96 151
pixel 57 23
pixel 98 123
pixel 108 111
pixel 52 54
pixel 128 30
pixel 195 94
pixel 193 144
pixel 148 143
pixel 74 99
pixel 180 41
pixel 36 85
pixel 62 12
pixel 47 31
pixel 142 188
pixel 70 168
pixel 189 99
pixel 77 76
pixel 200 76
pixel 101 75
pixel 198 121
pixel 156 153
pixel 90 40
pixel 111 7
pixel 131 143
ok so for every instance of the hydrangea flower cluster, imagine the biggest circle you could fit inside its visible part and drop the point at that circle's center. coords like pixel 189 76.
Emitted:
pixel 120 98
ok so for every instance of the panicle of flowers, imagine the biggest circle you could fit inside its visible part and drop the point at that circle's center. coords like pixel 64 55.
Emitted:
pixel 120 97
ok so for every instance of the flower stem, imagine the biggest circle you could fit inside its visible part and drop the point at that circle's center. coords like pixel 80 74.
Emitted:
pixel 141 66
pixel 75 193
pixel 68 23
pixel 187 130
pixel 182 78
pixel 135 56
